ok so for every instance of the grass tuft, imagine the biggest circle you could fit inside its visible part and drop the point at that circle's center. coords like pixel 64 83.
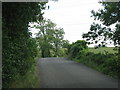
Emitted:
pixel 29 80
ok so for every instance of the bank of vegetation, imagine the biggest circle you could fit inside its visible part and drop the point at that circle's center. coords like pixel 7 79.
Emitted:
pixel 19 49
pixel 104 61
pixel 101 58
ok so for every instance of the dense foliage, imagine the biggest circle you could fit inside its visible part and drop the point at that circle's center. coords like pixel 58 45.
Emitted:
pixel 49 38
pixel 65 44
pixel 107 63
pixel 103 62
pixel 19 49
pixel 77 48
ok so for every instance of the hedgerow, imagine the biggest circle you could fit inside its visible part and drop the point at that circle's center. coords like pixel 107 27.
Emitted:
pixel 107 63
pixel 18 48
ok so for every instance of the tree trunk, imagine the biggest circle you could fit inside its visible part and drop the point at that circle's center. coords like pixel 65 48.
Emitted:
pixel 43 51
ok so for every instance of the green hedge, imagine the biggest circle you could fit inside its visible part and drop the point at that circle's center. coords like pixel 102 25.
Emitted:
pixel 107 63
pixel 18 48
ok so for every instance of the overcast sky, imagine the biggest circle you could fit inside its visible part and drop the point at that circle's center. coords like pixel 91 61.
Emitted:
pixel 73 16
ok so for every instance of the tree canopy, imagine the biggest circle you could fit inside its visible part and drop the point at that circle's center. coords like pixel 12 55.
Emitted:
pixel 49 37
pixel 108 15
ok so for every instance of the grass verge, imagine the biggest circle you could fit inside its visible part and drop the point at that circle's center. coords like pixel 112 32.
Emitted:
pixel 29 80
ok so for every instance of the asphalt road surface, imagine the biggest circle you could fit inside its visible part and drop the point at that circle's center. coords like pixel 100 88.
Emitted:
pixel 64 73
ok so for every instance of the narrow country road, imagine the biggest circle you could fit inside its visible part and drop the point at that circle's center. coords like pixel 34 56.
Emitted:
pixel 64 73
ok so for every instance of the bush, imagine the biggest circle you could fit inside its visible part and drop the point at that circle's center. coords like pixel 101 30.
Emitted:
pixel 62 52
pixel 107 63
pixel 29 80
pixel 77 48
pixel 17 59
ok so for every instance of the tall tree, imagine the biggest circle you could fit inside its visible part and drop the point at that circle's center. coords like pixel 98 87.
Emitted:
pixel 108 15
pixel 58 39
pixel 49 37
pixel 44 36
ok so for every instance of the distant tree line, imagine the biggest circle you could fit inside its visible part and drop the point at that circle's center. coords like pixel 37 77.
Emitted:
pixel 49 38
